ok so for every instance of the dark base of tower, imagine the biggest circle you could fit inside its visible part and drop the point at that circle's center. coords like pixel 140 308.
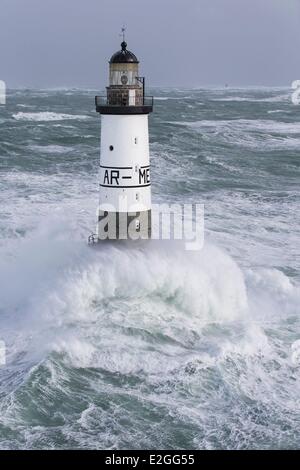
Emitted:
pixel 123 226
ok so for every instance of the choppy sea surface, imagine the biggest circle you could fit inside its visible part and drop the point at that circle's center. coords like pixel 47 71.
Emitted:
pixel 151 347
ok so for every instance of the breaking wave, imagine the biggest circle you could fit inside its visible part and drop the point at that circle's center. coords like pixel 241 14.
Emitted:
pixel 249 133
pixel 157 335
pixel 47 116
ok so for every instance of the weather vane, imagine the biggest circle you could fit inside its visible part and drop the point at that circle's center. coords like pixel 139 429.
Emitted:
pixel 123 30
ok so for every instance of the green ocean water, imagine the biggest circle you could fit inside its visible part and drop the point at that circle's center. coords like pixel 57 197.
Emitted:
pixel 154 346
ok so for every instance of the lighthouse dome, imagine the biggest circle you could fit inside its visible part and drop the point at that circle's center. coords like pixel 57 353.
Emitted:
pixel 124 56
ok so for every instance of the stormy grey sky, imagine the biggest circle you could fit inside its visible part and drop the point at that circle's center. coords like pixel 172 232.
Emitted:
pixel 51 43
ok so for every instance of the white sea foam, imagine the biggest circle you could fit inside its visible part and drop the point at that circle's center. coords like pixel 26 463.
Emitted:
pixel 246 124
pixel 295 353
pixel 270 99
pixel 64 126
pixel 275 111
pixel 51 148
pixel 120 310
pixel 69 282
pixel 25 106
pixel 47 116
pixel 166 98
pixel 256 133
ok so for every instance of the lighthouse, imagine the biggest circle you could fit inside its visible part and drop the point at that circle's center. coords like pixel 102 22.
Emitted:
pixel 125 186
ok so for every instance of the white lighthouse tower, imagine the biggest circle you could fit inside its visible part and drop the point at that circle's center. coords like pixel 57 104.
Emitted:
pixel 125 187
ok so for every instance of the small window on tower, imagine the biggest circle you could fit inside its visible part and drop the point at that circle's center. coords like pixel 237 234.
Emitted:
pixel 111 147
pixel 136 140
